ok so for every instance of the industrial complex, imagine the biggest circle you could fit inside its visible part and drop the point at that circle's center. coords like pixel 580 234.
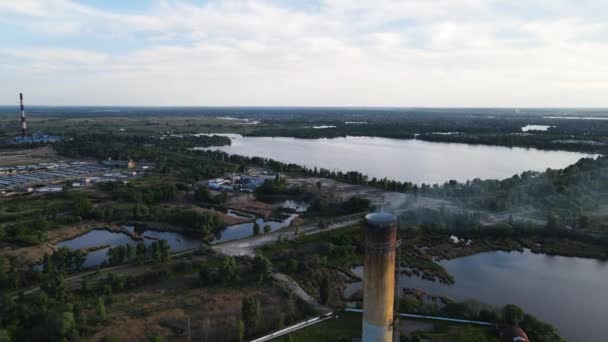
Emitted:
pixel 241 183
pixel 47 177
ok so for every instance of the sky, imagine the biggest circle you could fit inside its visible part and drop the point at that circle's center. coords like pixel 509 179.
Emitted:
pixel 410 53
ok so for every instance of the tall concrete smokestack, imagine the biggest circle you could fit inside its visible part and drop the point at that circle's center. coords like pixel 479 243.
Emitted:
pixel 379 277
pixel 23 124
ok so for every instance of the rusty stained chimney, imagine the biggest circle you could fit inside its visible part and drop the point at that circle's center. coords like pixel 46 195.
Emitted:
pixel 379 277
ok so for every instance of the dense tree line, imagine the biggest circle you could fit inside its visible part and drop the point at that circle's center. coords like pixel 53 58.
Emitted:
pixel 136 146
pixel 503 130
pixel 564 196
pixel 46 214
pixel 274 188
pixel 544 141
pixel 326 207
pixel 158 251
pixel 63 260
pixel 162 192
pixel 233 271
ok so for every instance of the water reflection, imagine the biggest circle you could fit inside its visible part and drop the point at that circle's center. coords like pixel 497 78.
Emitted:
pixel 243 230
pixel 101 240
pixel 567 292
pixel 412 160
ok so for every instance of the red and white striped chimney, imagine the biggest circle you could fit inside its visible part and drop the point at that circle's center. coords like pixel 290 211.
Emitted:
pixel 23 125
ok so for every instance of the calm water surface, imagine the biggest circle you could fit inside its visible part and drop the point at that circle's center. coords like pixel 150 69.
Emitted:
pixel 177 241
pixel 569 293
pixel 404 160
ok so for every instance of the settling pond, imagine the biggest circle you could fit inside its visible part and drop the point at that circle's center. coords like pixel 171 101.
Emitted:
pixel 177 241
pixel 569 293
pixel 403 160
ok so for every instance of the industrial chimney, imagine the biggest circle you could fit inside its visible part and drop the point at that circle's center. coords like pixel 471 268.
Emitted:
pixel 379 277
pixel 23 125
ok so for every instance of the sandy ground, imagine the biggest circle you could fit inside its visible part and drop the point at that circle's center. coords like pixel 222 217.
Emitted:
pixel 16 157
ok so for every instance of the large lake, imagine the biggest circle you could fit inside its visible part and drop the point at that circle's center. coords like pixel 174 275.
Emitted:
pixel 570 293
pixel 404 160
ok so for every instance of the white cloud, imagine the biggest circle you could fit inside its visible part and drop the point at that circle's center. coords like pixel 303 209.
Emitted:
pixel 343 52
pixel 58 55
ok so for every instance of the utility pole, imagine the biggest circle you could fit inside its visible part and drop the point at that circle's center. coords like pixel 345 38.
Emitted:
pixel 189 336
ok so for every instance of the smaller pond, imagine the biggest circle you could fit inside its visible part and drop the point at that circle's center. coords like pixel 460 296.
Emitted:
pixel 93 238
pixel 100 237
pixel 177 241
pixel 243 230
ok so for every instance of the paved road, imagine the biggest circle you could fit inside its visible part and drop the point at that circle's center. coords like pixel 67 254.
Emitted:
pixel 249 245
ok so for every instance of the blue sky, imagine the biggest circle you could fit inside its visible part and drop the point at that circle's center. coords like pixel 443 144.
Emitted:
pixel 531 53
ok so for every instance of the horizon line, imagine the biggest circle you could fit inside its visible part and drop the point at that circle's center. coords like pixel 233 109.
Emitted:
pixel 304 106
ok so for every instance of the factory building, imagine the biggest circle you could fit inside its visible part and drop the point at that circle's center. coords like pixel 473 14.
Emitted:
pixel 241 183
pixel 123 164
